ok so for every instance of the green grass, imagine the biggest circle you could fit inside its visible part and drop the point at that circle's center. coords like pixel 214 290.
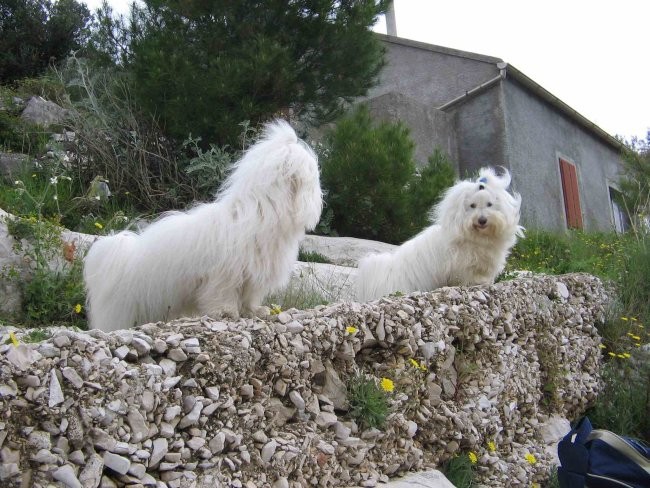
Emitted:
pixel 623 261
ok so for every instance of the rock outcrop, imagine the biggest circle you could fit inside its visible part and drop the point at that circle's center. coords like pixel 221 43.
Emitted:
pixel 203 402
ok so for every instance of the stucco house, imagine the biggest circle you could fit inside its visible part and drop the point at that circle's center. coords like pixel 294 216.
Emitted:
pixel 483 111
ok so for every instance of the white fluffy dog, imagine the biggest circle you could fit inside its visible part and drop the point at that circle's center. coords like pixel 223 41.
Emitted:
pixel 475 226
pixel 218 258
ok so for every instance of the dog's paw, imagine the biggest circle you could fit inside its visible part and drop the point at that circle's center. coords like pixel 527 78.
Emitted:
pixel 259 312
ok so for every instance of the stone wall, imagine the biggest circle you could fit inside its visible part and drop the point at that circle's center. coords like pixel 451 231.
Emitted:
pixel 203 402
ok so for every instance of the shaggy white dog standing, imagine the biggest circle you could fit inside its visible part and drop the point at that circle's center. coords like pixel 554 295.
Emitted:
pixel 475 226
pixel 218 258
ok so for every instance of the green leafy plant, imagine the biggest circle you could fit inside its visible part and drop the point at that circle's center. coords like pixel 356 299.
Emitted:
pixel 368 402
pixel 459 470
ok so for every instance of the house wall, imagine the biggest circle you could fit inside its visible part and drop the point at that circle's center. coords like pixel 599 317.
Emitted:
pixel 430 128
pixel 538 134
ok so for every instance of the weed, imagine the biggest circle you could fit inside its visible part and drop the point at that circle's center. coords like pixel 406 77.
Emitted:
pixel 312 257
pixel 36 335
pixel 368 402
pixel 459 470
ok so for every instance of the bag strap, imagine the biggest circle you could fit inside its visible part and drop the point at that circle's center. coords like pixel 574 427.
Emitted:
pixel 622 446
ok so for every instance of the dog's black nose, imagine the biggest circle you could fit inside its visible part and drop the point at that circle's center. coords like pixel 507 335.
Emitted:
pixel 482 221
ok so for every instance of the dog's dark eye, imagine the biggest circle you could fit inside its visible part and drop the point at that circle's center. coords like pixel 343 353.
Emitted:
pixel 473 205
pixel 489 204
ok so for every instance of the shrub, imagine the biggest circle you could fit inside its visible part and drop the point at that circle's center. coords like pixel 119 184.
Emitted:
pixel 54 291
pixel 113 140
pixel 373 188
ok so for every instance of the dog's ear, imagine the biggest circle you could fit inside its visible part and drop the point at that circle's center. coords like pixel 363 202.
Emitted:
pixel 450 212
pixel 303 184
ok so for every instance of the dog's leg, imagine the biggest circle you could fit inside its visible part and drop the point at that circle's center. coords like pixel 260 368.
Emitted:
pixel 252 298
pixel 216 300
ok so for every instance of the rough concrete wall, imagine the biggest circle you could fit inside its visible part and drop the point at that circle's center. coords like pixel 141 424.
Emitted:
pixel 432 75
pixel 538 135
pixel 201 402
pixel 480 131
pixel 430 128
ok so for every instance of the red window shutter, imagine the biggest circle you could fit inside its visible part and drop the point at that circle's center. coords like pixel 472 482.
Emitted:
pixel 569 177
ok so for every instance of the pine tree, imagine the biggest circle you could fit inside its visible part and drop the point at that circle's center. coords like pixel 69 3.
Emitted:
pixel 205 66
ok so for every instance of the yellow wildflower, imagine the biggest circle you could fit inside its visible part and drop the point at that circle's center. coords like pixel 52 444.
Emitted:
pixel 472 457
pixel 77 308
pixel 351 330
pixel 98 225
pixel 627 355
pixel 602 346
pixel 492 446
pixel 13 338
pixel 530 458
pixel 275 309
pixel 387 385
pixel 621 356
pixel 624 319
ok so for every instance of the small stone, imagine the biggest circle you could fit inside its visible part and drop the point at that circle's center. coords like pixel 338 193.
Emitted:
pixel 91 474
pixel 191 418
pixel 195 443
pixel 217 443
pixel 212 392
pixel 66 475
pixel 121 352
pixel 117 463
pixel 160 448
pixel 247 391
pixel 56 393
pixel 139 426
pixel 77 457
pixel 297 400
pixel 268 450
pixel 148 401
pixel 177 355
pixel 295 327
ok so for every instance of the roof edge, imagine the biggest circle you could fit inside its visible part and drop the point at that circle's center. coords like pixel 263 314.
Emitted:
pixel 544 94
pixel 438 49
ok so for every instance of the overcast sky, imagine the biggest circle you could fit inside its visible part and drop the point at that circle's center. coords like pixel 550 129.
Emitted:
pixel 592 54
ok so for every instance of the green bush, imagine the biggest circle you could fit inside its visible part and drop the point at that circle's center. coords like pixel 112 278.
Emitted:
pixel 372 186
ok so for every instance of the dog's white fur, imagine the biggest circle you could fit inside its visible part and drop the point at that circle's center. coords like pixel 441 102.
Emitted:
pixel 219 258
pixel 475 226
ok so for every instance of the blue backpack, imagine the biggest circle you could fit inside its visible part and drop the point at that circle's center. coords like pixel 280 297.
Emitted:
pixel 595 458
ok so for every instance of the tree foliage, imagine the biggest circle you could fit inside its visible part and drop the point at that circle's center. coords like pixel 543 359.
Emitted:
pixel 205 66
pixel 373 187
pixel 37 33
pixel 635 184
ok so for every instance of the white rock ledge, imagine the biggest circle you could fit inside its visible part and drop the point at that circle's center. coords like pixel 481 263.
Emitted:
pixel 209 403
